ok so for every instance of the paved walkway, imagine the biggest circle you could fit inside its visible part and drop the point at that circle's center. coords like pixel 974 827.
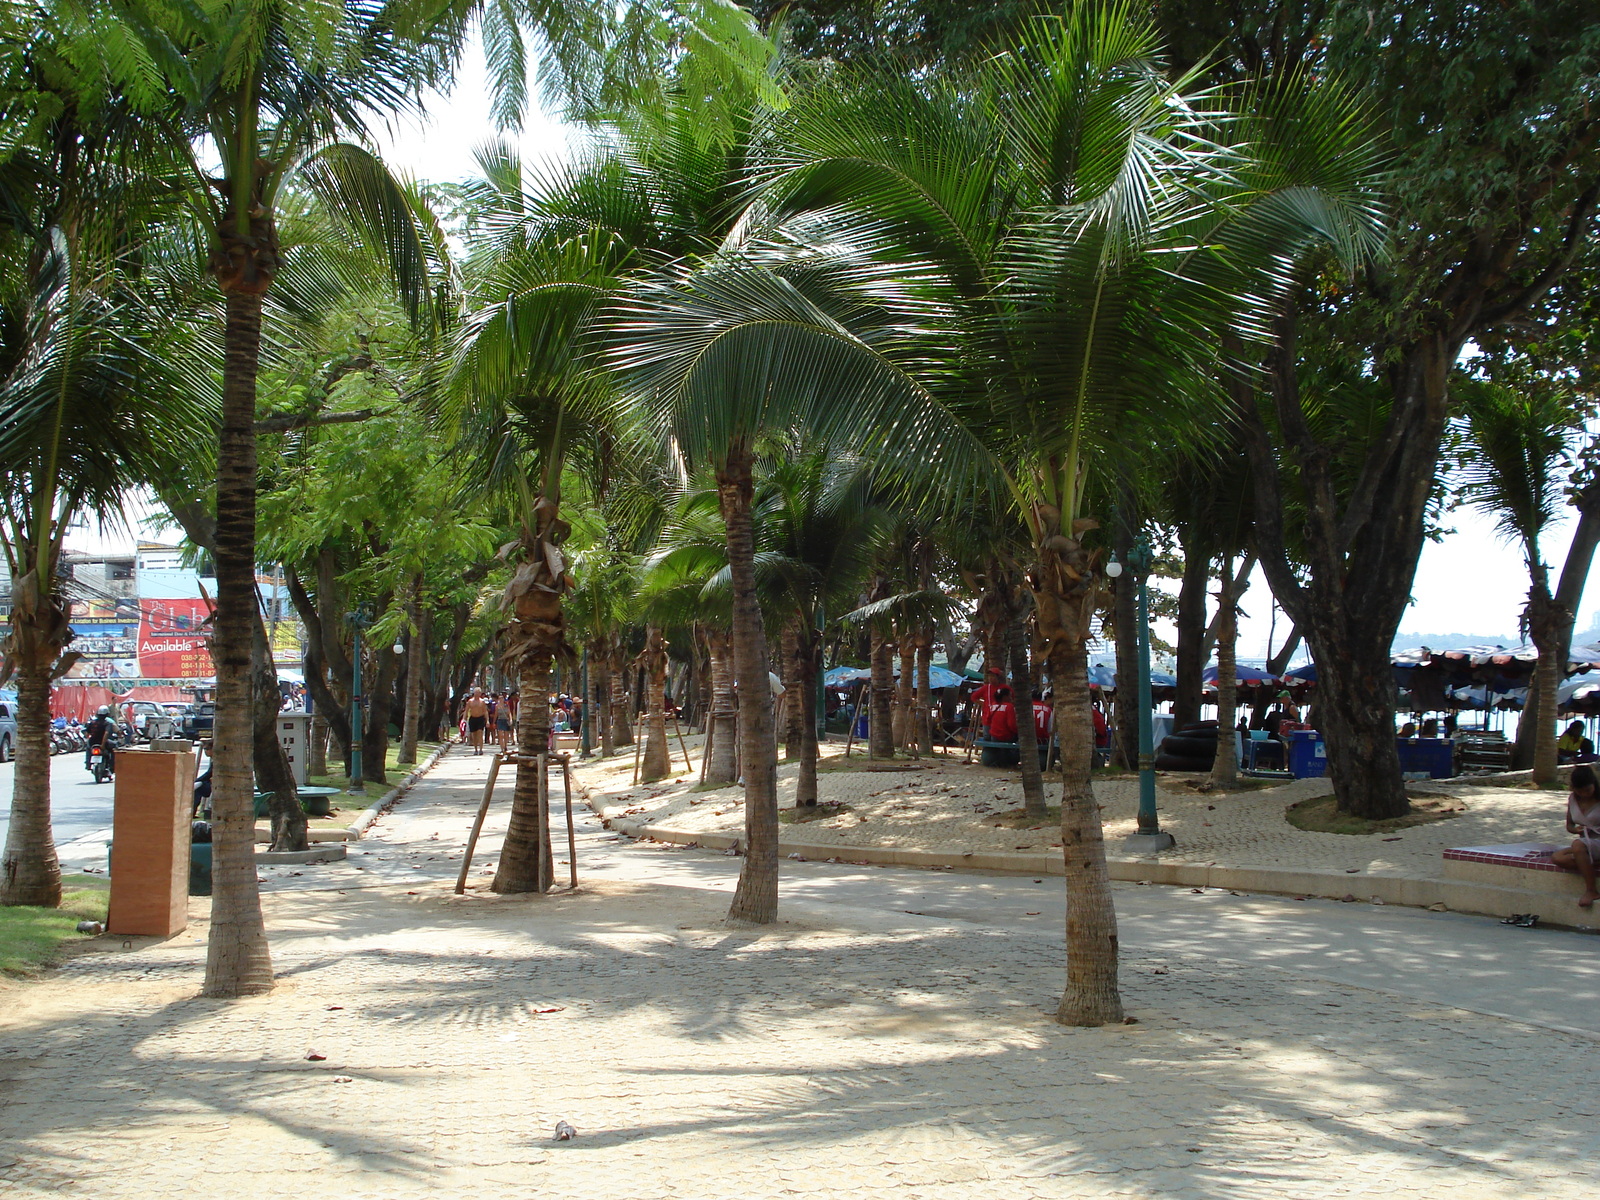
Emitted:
pixel 890 1038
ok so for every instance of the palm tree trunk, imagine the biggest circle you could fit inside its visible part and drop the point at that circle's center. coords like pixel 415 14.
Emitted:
pixel 904 690
pixel 1027 737
pixel 880 727
pixel 656 761
pixel 804 697
pixel 31 871
pixel 1545 622
pixel 317 750
pixel 755 899
pixel 1225 768
pixel 924 692
pixel 526 841
pixel 1190 651
pixel 238 962
pixel 273 772
pixel 621 727
pixel 1064 597
pixel 724 721
pixel 794 707
pixel 416 668
pixel 601 667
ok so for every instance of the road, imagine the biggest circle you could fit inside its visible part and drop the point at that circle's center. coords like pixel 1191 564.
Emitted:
pixel 80 810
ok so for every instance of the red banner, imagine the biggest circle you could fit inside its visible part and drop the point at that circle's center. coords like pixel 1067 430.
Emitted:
pixel 172 640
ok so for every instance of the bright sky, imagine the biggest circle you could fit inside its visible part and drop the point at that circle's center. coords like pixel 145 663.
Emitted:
pixel 1470 583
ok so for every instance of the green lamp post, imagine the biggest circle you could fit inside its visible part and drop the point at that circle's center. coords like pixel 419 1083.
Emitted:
pixel 1150 838
pixel 359 620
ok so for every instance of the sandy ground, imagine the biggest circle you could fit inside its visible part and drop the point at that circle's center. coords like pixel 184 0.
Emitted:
pixel 945 804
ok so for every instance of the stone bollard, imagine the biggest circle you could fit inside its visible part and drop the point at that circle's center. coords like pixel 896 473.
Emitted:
pixel 150 842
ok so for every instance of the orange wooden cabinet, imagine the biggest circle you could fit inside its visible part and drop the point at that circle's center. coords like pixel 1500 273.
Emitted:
pixel 150 842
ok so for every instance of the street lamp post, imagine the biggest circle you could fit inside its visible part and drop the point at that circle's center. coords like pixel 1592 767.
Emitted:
pixel 358 621
pixel 1150 838
pixel 586 746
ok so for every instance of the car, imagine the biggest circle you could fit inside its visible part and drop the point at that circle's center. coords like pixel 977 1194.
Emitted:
pixel 197 720
pixel 8 728
pixel 151 721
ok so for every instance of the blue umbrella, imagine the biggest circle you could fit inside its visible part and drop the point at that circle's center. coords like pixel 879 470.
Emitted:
pixel 938 677
pixel 1241 673
pixel 1103 677
pixel 1308 672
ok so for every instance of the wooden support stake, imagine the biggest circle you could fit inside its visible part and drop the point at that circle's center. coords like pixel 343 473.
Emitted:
pixel 705 751
pixel 572 837
pixel 477 825
pixel 638 752
pixel 687 765
pixel 545 857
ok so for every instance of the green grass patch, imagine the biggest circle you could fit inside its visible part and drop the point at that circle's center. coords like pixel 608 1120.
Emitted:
pixel 392 768
pixel 32 938
pixel 1322 815
pixel 815 812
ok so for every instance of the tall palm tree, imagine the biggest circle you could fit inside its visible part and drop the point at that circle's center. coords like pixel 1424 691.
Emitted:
pixel 1036 210
pixel 1521 448
pixel 93 400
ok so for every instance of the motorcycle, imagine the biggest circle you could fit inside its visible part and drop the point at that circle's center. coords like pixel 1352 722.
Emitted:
pixel 102 760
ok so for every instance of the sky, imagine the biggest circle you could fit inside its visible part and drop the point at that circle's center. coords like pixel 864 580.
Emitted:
pixel 1469 583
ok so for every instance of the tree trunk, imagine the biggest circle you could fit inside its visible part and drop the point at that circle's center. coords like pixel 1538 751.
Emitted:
pixel 1355 690
pixel 1191 655
pixel 1125 614
pixel 238 962
pixel 375 730
pixel 534 638
pixel 924 699
pixel 273 772
pixel 600 666
pixel 1033 801
pixel 804 695
pixel 621 725
pixel 32 872
pixel 794 707
pixel 1225 768
pixel 880 722
pixel 416 668
pixel 1546 621
pixel 904 690
pixel 1064 599
pixel 1279 662
pixel 724 719
pixel 526 837
pixel 317 751
pixel 756 897
pixel 656 761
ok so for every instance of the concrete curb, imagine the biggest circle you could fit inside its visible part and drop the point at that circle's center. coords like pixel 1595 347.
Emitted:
pixel 386 801
pixel 1411 890
pixel 333 852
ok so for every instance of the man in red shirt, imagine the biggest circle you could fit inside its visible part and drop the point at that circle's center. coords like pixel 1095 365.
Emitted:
pixel 981 700
pixel 1002 717
pixel 1042 712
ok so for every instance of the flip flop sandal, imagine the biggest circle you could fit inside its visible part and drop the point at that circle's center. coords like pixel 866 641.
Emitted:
pixel 1522 920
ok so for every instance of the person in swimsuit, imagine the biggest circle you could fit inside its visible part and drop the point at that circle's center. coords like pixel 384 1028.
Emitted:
pixel 502 722
pixel 477 719
pixel 1583 819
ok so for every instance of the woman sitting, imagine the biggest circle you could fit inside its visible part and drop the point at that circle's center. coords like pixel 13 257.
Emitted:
pixel 1583 819
pixel 1572 746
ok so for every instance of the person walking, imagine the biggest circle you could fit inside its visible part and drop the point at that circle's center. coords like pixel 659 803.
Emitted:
pixel 502 722
pixel 477 719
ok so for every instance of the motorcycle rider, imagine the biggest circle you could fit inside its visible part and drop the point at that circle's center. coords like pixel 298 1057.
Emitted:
pixel 102 732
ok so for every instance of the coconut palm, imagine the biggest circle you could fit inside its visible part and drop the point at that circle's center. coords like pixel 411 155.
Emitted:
pixel 1037 210
pixel 93 400
pixel 1522 442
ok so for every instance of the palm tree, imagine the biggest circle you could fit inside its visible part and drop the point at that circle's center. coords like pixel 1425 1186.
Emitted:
pixel 91 403
pixel 1035 210
pixel 1521 441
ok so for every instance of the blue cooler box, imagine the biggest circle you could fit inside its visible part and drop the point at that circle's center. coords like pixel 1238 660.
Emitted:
pixel 1432 755
pixel 1308 755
